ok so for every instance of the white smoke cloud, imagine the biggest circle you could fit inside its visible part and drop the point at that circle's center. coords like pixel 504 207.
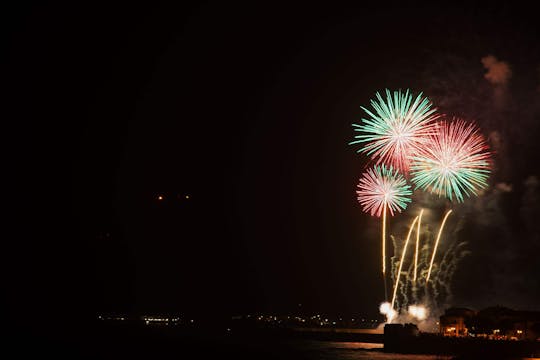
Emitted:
pixel 530 208
pixel 499 72
pixel 532 182
pixel 503 243
pixel 504 187
pixel 496 140
pixel 428 321
pixel 538 73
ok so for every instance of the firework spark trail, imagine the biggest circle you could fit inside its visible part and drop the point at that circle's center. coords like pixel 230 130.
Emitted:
pixel 394 271
pixel 403 253
pixel 444 268
pixel 436 244
pixel 437 293
pixel 380 190
pixel 456 162
pixel 403 288
pixel 384 242
pixel 448 266
pixel 414 284
pixel 409 284
pixel 397 129
pixel 417 243
pixel 394 263
pixel 384 251
pixel 425 252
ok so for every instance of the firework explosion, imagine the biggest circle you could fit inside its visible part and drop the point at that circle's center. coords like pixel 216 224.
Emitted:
pixel 383 188
pixel 447 158
pixel 455 163
pixel 399 127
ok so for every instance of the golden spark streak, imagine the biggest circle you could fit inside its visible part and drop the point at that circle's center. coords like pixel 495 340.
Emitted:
pixel 417 244
pixel 384 251
pixel 436 244
pixel 384 241
pixel 402 259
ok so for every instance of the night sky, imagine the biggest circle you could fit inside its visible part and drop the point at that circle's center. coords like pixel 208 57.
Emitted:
pixel 246 109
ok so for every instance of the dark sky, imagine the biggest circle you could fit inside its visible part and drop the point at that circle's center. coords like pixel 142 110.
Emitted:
pixel 247 108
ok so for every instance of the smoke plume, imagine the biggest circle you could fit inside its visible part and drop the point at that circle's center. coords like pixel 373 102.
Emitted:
pixel 498 71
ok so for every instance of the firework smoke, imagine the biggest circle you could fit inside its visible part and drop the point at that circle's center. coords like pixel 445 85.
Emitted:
pixel 418 311
pixel 498 71
pixel 386 309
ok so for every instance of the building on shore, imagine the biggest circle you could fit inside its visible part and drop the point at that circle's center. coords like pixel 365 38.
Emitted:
pixel 497 323
pixel 454 322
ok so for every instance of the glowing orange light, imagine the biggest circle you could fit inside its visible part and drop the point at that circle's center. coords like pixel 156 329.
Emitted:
pixel 401 262
pixel 417 242
pixel 160 197
pixel 436 244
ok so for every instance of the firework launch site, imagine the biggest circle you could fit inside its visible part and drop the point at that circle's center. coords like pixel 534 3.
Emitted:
pixel 494 331
pixel 459 332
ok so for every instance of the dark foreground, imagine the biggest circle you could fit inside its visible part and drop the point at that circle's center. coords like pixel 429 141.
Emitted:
pixel 129 341
pixel 466 348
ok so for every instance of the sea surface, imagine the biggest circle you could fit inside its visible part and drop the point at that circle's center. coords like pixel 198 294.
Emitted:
pixel 230 345
pixel 128 342
pixel 304 349
pixel 241 347
pixel 314 349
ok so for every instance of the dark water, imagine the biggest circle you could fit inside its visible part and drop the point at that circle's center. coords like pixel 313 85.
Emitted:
pixel 149 344
pixel 246 345
pixel 240 346
pixel 313 349
pixel 303 349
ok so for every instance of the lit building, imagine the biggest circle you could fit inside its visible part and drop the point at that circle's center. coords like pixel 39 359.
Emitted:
pixel 454 322
pixel 496 323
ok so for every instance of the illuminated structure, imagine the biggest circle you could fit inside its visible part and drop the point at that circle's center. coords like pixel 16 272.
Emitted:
pixel 453 322
pixel 496 323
